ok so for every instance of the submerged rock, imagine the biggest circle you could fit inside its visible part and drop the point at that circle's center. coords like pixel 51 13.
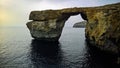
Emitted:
pixel 102 27
pixel 80 24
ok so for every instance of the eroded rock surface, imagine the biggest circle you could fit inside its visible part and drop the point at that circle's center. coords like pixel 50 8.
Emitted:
pixel 47 25
pixel 102 29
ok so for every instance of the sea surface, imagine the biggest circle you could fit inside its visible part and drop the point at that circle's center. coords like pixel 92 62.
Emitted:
pixel 19 50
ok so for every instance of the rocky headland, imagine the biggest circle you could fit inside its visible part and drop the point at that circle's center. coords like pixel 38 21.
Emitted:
pixel 102 28
pixel 80 24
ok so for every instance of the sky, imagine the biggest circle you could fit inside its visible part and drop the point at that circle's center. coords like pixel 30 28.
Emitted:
pixel 16 12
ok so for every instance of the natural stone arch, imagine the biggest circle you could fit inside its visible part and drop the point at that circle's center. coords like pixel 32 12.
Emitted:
pixel 48 25
pixel 103 27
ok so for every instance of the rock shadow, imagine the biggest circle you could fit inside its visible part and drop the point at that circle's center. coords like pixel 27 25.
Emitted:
pixel 45 54
pixel 95 58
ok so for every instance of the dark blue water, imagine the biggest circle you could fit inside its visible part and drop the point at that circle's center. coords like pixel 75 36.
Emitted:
pixel 19 50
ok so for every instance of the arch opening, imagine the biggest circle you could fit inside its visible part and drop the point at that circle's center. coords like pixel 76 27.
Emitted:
pixel 68 29
pixel 73 19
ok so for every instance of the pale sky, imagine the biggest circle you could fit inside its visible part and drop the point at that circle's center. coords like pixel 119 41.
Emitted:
pixel 16 12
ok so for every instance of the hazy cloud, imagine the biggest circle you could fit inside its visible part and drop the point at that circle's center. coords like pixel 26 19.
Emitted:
pixel 18 10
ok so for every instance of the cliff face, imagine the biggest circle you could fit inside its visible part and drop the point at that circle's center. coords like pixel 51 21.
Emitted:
pixel 102 29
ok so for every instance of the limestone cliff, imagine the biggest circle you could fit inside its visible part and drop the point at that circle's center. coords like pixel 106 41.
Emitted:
pixel 102 29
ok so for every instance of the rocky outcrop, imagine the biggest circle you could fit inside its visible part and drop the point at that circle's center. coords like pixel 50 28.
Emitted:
pixel 80 24
pixel 47 25
pixel 102 28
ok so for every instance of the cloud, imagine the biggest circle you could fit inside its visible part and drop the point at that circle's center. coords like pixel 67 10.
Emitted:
pixel 48 0
pixel 19 9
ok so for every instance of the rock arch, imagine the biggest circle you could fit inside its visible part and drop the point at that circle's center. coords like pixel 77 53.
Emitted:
pixel 48 25
pixel 103 27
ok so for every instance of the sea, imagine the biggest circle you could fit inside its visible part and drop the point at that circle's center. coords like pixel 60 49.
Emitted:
pixel 19 50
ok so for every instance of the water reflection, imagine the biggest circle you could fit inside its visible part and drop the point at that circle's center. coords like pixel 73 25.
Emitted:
pixel 45 54
pixel 98 59
pixel 50 55
pixel 17 51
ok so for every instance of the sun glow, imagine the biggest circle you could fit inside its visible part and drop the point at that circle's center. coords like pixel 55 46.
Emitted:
pixel 6 17
pixel 16 12
pixel 5 2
